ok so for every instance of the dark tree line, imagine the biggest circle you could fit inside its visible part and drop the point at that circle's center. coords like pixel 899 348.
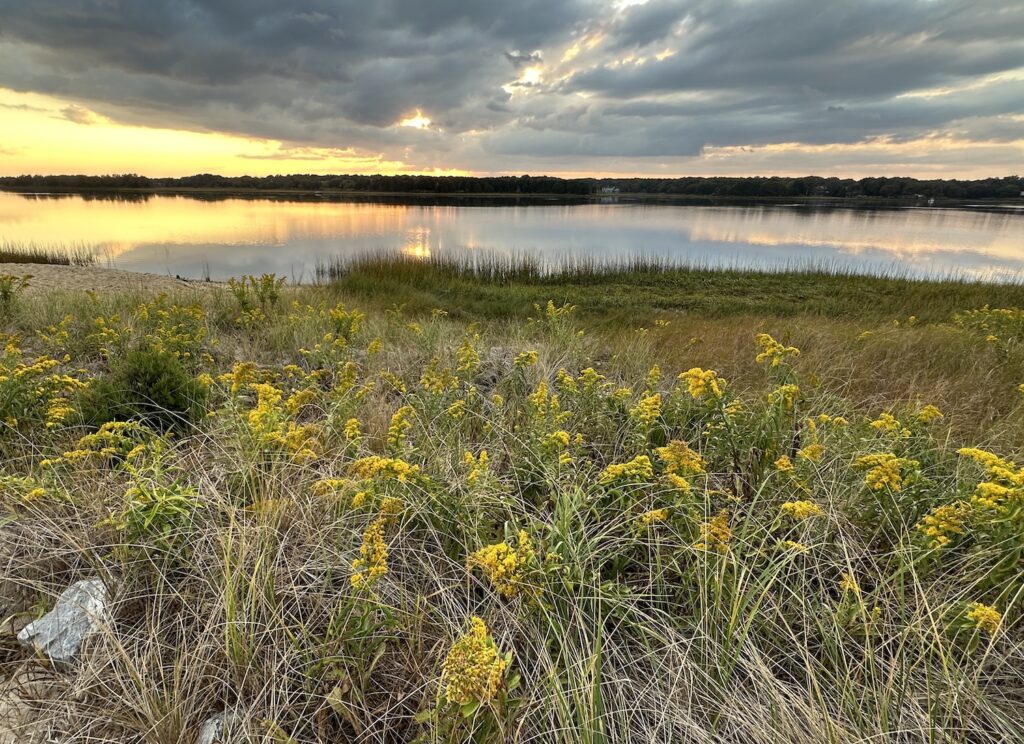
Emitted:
pixel 726 187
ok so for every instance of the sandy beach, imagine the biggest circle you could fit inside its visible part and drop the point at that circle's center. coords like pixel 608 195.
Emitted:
pixel 47 277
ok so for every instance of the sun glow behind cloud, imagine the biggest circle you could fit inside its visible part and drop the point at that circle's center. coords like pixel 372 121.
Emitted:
pixel 44 134
pixel 416 121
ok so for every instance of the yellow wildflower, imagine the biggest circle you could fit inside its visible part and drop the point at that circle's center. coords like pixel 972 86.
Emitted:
pixel 639 468
pixel 351 429
pixel 889 424
pixel 388 467
pixel 372 562
pixel 942 523
pixel 787 395
pixel 680 459
pixel 391 506
pixel 985 617
pixel 801 509
pixel 474 669
pixel 505 565
pixel 812 452
pixel 703 384
pixel 653 516
pixel 653 377
pixel 929 414
pixel 526 359
pixel 477 466
pixel 715 534
pixel 647 410
pixel 399 427
pixel 772 351
pixel 848 584
pixel 885 470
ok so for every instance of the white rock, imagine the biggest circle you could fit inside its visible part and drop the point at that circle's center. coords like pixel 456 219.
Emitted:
pixel 80 611
pixel 212 730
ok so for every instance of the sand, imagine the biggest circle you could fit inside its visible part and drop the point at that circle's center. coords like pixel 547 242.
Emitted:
pixel 46 277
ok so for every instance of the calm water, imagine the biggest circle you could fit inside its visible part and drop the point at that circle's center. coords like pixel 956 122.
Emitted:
pixel 227 237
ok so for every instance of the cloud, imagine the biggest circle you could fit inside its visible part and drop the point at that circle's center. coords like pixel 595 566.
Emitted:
pixel 521 59
pixel 568 83
pixel 80 115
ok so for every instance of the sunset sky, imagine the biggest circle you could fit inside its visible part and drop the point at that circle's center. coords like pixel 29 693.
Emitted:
pixel 566 87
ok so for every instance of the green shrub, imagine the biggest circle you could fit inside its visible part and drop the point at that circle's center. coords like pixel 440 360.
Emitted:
pixel 146 385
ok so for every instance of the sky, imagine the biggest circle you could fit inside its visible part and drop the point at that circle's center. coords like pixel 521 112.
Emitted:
pixel 853 88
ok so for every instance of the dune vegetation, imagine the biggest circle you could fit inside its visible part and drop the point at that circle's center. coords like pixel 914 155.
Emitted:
pixel 413 504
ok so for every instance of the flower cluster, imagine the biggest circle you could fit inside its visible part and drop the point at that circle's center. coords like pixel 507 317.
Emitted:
pixel 372 562
pixel 772 352
pixel 884 470
pixel 637 469
pixel 715 534
pixel 474 669
pixel 386 467
pixel 943 523
pixel 985 617
pixel 504 564
pixel 703 384
pixel 800 510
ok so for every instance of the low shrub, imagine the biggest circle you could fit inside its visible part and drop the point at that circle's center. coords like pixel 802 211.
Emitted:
pixel 147 385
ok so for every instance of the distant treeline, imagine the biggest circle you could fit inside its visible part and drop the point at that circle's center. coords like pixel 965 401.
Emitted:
pixel 777 187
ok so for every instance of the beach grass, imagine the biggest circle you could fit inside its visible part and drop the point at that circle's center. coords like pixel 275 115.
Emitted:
pixel 438 503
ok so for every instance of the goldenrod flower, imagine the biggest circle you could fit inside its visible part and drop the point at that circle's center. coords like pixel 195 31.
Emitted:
pixel 505 564
pixel 929 414
pixel 388 467
pixel 351 429
pixel 801 509
pixel 526 359
pixel 647 410
pixel 653 377
pixel 715 534
pixel 474 669
pixel 811 453
pixel 680 459
pixel 794 547
pixel 477 466
pixel 942 523
pixel 889 424
pixel 399 427
pixel 637 469
pixel 985 617
pixel 372 562
pixel 787 395
pixel 885 470
pixel 703 384
pixel 772 351
pixel 848 584
pixel 653 516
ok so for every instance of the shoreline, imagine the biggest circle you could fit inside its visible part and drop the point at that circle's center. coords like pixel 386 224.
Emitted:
pixel 463 196
pixel 59 278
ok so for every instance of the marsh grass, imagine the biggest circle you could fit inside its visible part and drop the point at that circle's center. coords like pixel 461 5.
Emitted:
pixel 36 253
pixel 628 291
pixel 232 561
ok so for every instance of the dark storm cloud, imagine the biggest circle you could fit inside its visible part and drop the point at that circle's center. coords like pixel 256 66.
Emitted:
pixel 341 73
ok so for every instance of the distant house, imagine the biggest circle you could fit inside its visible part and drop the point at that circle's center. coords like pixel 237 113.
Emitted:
pixel 608 190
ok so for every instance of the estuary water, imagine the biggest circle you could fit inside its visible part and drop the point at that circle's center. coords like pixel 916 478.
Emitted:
pixel 203 237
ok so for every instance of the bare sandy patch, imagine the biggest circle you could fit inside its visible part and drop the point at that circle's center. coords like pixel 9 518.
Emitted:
pixel 47 278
